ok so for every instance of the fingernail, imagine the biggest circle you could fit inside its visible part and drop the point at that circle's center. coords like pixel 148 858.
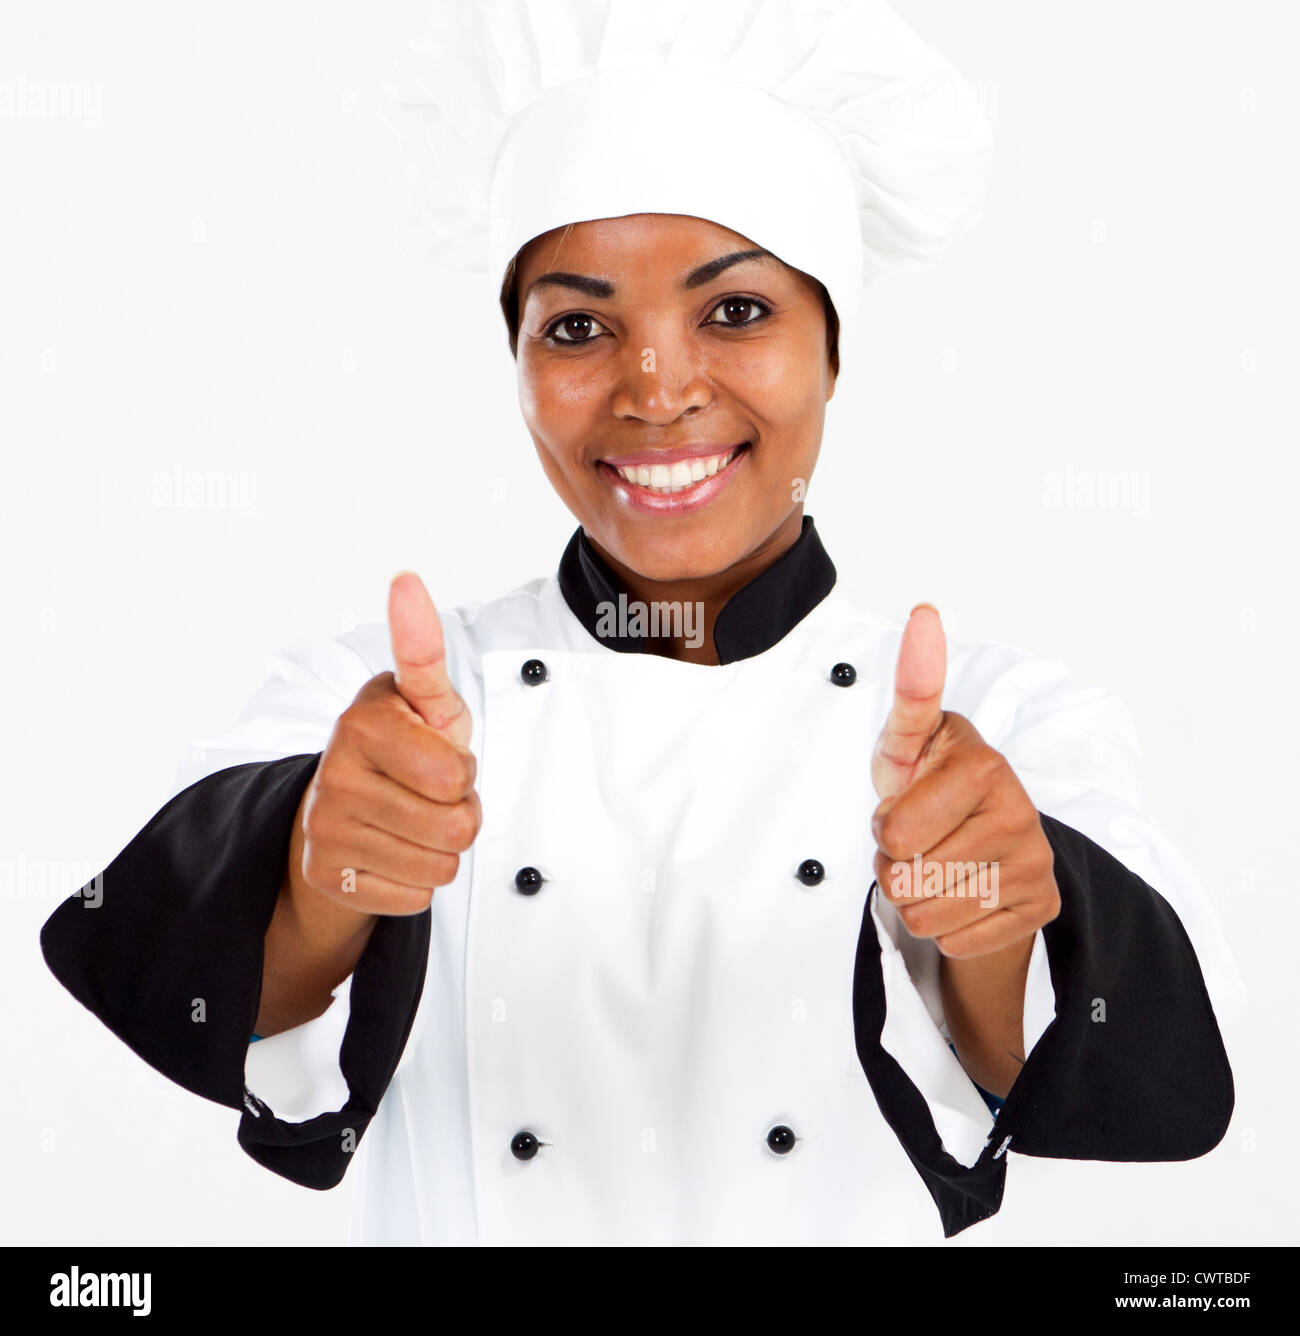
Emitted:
pixel 919 606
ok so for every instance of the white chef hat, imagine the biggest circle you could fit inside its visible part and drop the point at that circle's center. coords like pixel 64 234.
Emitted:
pixel 826 131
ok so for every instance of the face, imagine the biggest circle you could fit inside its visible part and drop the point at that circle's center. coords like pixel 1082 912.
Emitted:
pixel 675 385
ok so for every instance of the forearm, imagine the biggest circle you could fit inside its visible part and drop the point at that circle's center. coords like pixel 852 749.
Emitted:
pixel 983 1004
pixel 312 944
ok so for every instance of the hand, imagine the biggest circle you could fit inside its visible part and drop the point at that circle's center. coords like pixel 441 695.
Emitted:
pixel 392 804
pixel 951 800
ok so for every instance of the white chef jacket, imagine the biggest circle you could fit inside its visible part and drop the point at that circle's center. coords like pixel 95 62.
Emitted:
pixel 604 1059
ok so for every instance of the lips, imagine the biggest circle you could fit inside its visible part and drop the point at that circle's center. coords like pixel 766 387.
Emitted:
pixel 670 456
pixel 664 472
pixel 676 477
pixel 673 482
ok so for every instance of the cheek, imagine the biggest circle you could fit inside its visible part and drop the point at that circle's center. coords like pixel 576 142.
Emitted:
pixel 555 400
pixel 784 392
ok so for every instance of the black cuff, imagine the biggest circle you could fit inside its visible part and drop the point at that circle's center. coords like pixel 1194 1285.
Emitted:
pixel 180 933
pixel 1133 1067
pixel 1150 1081
pixel 964 1195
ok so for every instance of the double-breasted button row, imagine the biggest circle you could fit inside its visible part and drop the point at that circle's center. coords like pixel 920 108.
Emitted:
pixel 780 1141
pixel 528 880
pixel 534 673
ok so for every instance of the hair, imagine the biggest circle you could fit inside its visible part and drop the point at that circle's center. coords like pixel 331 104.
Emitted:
pixel 510 309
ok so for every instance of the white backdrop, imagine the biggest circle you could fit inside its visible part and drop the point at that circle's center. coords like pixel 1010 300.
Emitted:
pixel 207 267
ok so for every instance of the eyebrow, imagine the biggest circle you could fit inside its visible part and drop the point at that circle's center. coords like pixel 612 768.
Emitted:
pixel 600 287
pixel 707 272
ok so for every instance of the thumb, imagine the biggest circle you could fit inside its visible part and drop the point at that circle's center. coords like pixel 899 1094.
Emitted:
pixel 420 658
pixel 917 710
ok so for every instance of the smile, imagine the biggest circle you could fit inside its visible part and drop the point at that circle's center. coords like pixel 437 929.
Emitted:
pixel 679 476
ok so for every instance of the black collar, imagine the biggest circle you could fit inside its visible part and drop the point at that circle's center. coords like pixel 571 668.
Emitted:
pixel 752 620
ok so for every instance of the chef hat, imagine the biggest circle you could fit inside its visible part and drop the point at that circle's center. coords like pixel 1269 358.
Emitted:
pixel 825 131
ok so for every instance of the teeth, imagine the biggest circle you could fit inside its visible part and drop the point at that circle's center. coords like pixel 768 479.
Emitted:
pixel 685 473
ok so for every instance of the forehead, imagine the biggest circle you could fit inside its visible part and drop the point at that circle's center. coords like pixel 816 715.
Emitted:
pixel 641 240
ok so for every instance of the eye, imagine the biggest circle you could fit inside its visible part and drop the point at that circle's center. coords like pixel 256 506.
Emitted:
pixel 577 328
pixel 736 309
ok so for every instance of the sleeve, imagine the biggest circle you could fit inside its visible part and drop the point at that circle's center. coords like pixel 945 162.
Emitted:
pixel 166 945
pixel 1126 988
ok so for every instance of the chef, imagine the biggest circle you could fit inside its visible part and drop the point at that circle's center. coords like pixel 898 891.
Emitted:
pixel 781 922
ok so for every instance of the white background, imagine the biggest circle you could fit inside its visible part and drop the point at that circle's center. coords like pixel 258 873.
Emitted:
pixel 220 275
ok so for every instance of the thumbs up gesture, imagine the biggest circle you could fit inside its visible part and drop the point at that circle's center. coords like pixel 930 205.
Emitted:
pixel 960 849
pixel 421 659
pixel 392 804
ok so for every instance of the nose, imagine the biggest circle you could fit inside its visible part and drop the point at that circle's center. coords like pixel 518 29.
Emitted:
pixel 659 383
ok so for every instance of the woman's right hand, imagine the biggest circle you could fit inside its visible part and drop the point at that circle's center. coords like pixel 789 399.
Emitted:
pixel 382 823
pixel 392 804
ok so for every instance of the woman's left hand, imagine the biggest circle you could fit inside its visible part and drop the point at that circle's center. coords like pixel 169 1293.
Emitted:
pixel 960 849
pixel 961 853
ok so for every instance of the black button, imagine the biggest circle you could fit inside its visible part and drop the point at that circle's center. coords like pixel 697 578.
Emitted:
pixel 844 674
pixel 781 1139
pixel 810 872
pixel 523 1145
pixel 528 881
pixel 533 672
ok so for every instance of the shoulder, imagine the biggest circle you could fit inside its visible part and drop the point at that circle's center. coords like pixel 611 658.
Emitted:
pixel 533 614
pixel 1034 707
pixel 979 671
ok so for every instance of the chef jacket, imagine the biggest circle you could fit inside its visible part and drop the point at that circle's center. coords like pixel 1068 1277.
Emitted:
pixel 663 1001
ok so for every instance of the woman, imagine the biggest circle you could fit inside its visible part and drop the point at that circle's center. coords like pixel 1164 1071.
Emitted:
pixel 635 906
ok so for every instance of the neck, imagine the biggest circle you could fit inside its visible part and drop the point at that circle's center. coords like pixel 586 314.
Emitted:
pixel 709 593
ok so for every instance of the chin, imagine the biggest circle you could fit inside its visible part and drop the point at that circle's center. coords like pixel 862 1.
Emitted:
pixel 681 555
